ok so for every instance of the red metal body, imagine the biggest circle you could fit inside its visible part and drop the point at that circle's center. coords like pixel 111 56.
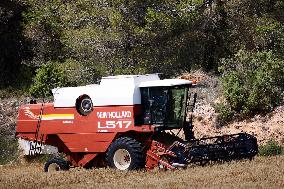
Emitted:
pixel 85 138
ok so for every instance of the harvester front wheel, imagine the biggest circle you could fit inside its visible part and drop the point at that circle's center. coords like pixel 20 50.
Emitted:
pixel 126 154
pixel 56 164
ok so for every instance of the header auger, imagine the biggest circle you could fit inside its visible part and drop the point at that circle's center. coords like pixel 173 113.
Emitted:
pixel 123 122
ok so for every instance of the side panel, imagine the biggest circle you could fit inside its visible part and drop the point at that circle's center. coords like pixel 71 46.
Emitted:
pixel 92 133
pixel 28 118
pixel 94 142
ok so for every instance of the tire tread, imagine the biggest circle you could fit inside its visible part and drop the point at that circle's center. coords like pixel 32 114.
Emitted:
pixel 136 150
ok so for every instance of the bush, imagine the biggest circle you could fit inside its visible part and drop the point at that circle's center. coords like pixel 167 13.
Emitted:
pixel 225 114
pixel 253 82
pixel 271 148
pixel 48 76
pixel 8 150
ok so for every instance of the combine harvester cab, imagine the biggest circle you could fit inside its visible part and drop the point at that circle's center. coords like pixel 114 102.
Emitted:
pixel 123 123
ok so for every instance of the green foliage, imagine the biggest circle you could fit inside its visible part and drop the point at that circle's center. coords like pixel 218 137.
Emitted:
pixel 270 35
pixel 78 73
pixel 225 114
pixel 116 36
pixel 253 82
pixel 98 38
pixel 9 92
pixel 48 76
pixel 8 150
pixel 271 148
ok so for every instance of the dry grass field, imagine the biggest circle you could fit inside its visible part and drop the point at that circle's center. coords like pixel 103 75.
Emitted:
pixel 258 173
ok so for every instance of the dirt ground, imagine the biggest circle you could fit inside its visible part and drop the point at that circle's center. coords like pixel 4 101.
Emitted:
pixel 258 173
pixel 264 128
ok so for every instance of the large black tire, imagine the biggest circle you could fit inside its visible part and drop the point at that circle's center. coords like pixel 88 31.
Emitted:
pixel 56 164
pixel 126 154
pixel 84 105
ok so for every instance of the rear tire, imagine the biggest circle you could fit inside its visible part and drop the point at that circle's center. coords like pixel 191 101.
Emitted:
pixel 56 164
pixel 126 154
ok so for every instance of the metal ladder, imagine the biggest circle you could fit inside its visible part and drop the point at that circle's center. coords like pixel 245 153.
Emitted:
pixel 36 148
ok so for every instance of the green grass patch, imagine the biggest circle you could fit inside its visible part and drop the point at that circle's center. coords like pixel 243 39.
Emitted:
pixel 8 151
pixel 271 148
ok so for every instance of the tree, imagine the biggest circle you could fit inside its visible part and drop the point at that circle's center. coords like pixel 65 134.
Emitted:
pixel 14 47
pixel 115 36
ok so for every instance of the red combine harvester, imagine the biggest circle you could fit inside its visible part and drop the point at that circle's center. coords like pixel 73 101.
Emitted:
pixel 126 122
